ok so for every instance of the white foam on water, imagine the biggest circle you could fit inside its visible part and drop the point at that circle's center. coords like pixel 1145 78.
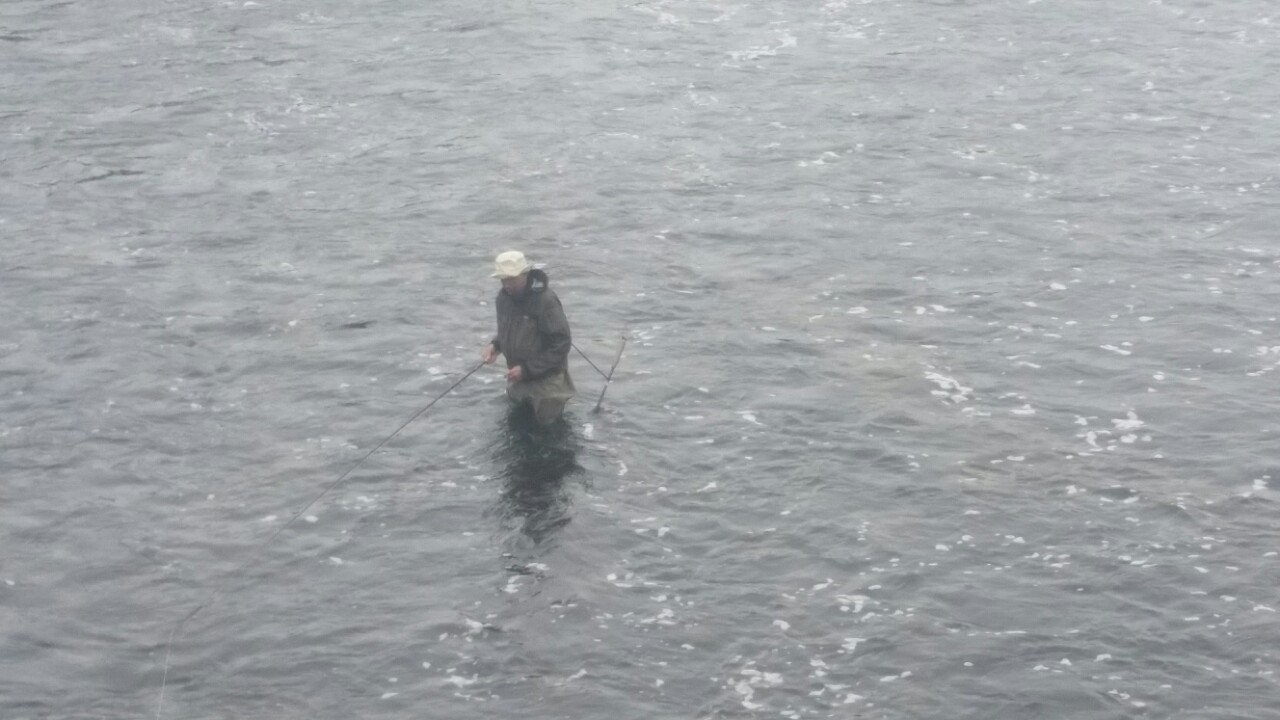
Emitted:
pixel 1026 409
pixel 858 310
pixel 269 518
pixel 749 416
pixel 578 675
pixel 311 519
pixel 782 625
pixel 1130 423
pixel 951 389
pixel 1116 350
pixel 389 695
pixel 766 679
pixel 664 617
pixel 747 692
pixel 613 578
pixel 588 431
pixel 852 602
pixel 460 681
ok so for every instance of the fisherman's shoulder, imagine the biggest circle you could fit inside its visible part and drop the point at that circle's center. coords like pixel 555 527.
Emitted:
pixel 547 298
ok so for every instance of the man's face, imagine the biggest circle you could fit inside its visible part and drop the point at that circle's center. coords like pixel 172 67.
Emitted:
pixel 515 285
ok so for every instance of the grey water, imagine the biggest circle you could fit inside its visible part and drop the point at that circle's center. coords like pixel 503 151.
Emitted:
pixel 949 392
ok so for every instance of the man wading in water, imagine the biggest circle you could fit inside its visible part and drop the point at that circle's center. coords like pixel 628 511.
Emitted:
pixel 533 335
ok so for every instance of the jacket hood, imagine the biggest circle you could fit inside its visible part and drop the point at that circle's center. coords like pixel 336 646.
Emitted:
pixel 538 281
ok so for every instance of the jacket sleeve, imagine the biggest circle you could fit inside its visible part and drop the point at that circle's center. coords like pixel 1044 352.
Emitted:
pixel 554 340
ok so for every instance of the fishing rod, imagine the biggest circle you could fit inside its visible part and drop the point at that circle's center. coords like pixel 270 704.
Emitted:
pixel 593 365
pixel 608 379
pixel 218 592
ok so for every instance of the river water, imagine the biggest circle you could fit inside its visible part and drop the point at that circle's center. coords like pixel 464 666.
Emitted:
pixel 949 389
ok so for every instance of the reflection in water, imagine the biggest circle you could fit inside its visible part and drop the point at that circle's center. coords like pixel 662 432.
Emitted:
pixel 536 461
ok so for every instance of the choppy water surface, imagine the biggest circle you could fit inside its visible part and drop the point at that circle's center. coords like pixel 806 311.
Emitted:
pixel 950 390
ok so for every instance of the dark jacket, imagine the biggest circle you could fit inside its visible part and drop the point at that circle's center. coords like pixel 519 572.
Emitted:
pixel 532 329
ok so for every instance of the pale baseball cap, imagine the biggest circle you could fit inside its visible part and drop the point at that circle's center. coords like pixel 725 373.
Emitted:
pixel 510 264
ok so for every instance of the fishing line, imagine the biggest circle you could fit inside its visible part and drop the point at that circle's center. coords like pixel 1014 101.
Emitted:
pixel 584 357
pixel 218 592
